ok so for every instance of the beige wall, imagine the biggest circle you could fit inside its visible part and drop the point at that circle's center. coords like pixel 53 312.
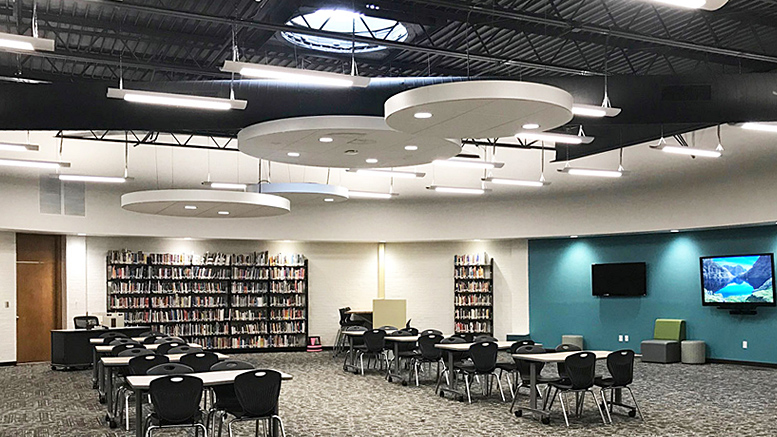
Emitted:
pixel 7 296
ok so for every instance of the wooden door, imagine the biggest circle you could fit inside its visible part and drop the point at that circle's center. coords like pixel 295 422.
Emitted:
pixel 38 291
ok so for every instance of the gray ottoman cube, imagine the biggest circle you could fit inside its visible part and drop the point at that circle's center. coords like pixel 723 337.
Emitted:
pixel 576 340
pixel 694 352
pixel 660 351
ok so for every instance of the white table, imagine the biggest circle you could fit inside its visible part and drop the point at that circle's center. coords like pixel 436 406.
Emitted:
pixel 552 357
pixel 461 347
pixel 141 383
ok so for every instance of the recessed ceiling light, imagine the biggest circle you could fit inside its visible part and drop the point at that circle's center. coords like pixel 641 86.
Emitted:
pixel 674 231
pixel 371 161
pixel 531 126
pixel 326 139
pixel 329 199
pixel 189 207
pixel 223 212
pixel 411 148
pixel 422 115
pixel 293 154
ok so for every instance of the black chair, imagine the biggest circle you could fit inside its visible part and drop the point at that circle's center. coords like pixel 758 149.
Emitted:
pixel 562 372
pixel 185 349
pixel 151 338
pixel 621 367
pixel 523 370
pixel 200 361
pixel 118 348
pixel 142 360
pixel 169 369
pixel 431 331
pixel 169 339
pixel 135 352
pixel 164 348
pixel 511 366
pixel 225 397
pixel 140 365
pixel 108 337
pixel 86 322
pixel 257 393
pixel 388 328
pixel 151 332
pixel 581 371
pixel 345 322
pixel 374 346
pixel 428 354
pixel 176 401
pixel 484 338
pixel 468 338
pixel 122 340
pixel 406 350
pixel 483 356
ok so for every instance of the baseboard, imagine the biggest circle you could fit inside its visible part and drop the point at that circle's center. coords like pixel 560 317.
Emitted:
pixel 8 363
pixel 742 363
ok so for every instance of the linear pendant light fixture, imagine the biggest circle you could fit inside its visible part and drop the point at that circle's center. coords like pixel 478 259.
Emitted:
pixel 515 182
pixel 312 77
pixel 468 161
pixel 18 147
pixel 594 111
pixel 577 171
pixel 87 178
pixel 762 127
pixel 685 150
pixel 554 138
pixel 370 195
pixel 709 5
pixel 176 100
pixel 12 42
pixel 456 190
pixel 387 173
pixel 225 185
pixel 33 164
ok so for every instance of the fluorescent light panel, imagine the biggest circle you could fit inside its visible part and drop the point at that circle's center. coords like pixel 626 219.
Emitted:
pixel 176 100
pixel 33 164
pixel 594 111
pixel 762 127
pixel 370 195
pixel 515 182
pixel 591 172
pixel 468 163
pixel 387 173
pixel 17 147
pixel 690 4
pixel 24 43
pixel 554 138
pixel 456 190
pixel 692 151
pixel 295 75
pixel 87 178
pixel 225 185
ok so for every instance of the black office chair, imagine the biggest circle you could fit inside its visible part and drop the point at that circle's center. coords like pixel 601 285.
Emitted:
pixel 430 331
pixel 122 340
pixel 185 349
pixel 458 357
pixel 562 372
pixel 226 399
pixel 483 356
pixel 621 366
pixel 164 348
pixel 176 401
pixel 428 354
pixel 200 361
pixel 508 367
pixel 374 346
pixel 169 369
pixel 257 392
pixel 86 322
pixel 580 368
pixel 140 365
pixel 484 338
pixel 407 350
pixel 118 348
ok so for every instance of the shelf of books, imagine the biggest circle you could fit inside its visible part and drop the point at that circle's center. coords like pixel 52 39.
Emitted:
pixel 221 301
pixel 473 302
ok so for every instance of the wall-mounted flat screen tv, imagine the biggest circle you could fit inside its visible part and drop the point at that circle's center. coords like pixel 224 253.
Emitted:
pixel 621 279
pixel 739 280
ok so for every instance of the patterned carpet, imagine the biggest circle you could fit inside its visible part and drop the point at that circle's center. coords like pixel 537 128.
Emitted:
pixel 322 400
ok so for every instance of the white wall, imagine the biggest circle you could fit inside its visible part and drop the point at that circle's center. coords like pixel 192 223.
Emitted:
pixel 7 297
pixel 422 273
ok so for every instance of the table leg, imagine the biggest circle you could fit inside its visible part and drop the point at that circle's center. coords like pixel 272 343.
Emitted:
pixel 94 367
pixel 108 371
pixel 533 384
pixel 138 413
pixel 101 381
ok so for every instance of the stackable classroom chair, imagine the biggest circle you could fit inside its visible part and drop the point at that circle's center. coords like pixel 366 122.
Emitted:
pixel 620 364
pixel 176 404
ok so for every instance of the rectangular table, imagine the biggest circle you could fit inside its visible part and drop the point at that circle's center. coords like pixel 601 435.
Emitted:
pixel 553 357
pixel 349 365
pixel 396 341
pixel 449 348
pixel 141 383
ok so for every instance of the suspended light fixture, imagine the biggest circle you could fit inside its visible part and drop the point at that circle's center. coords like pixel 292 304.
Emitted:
pixel 554 138
pixel 577 171
pixel 594 111
pixel 17 147
pixel 370 195
pixel 12 42
pixel 387 173
pixel 33 164
pixel 295 75
pixel 515 182
pixel 761 127
pixel 468 161
pixel 225 185
pixel 708 5
pixel 87 178
pixel 685 150
pixel 456 190
pixel 176 100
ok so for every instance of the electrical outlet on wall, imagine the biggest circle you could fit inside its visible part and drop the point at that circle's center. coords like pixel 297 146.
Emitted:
pixel 744 344
pixel 626 338
pixel 620 338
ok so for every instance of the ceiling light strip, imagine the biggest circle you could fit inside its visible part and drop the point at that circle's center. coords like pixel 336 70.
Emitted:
pixel 12 42
pixel 33 164
pixel 18 147
pixel 370 195
pixel 691 151
pixel 762 127
pixel 176 100
pixel 594 111
pixel 456 190
pixel 312 77
pixel 225 185
pixel 387 173
pixel 468 163
pixel 515 182
pixel 576 171
pixel 88 178
pixel 554 138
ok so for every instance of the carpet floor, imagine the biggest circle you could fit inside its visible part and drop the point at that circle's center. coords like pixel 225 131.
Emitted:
pixel 322 400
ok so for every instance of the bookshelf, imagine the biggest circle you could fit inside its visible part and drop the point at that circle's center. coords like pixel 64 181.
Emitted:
pixel 226 302
pixel 473 302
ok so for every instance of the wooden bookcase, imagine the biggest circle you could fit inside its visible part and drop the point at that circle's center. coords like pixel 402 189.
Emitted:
pixel 473 301
pixel 226 302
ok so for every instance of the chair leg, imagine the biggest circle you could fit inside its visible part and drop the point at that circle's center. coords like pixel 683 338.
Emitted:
pixel 599 407
pixel 361 360
pixel 126 410
pixel 605 405
pixel 563 407
pixel 416 374
pixel 552 398
pixel 509 384
pixel 466 384
pixel 229 428
pixel 280 422
pixel 499 384
pixel 636 404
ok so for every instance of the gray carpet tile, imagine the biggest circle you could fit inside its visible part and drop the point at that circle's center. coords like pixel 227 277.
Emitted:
pixel 322 400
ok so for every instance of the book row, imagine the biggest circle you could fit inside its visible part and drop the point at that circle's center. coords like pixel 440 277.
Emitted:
pixel 287 300
pixel 473 327
pixel 473 299
pixel 287 314
pixel 472 313
pixel 473 259
pixel 472 273
pixel 209 258
pixel 249 315
pixel 295 327
pixel 192 329
pixel 473 287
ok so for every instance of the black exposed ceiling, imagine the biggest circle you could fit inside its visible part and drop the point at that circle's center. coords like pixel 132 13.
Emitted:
pixel 173 41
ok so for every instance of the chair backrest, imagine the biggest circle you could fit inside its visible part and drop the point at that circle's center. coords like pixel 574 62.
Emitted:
pixel 169 369
pixel 562 370
pixel 169 339
pixel 201 361
pixel 108 337
pixel 467 337
pixel 176 398
pixel 258 392
pixel 344 316
pixel 409 331
pixel 122 340
pixel 151 332
pixel 669 329
pixel 185 349
pixel 140 365
pixel 455 340
pixel 118 348
pixel 519 344
pixel 484 356
pixel 524 367
pixel 357 340
pixel 134 352
pixel 426 345
pixel 85 322
pixel 375 340
pixel 581 369
pixel 483 338
pixel 621 366
pixel 231 365
pixel 388 328
pixel 164 348
pixel 431 331
pixel 151 338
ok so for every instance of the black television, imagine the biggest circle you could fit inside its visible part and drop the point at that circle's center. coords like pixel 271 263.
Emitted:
pixel 738 281
pixel 619 279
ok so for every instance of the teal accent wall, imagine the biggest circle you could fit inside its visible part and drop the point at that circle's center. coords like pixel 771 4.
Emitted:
pixel 561 302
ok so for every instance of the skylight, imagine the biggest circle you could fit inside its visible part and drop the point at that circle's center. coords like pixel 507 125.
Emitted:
pixel 345 22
